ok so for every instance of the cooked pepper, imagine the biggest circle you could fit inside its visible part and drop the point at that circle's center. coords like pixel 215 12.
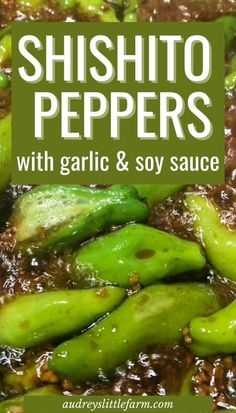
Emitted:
pixel 130 13
pixel 156 315
pixel 31 320
pixel 8 406
pixel 22 379
pixel 187 384
pixel 130 8
pixel 215 334
pixel 219 241
pixel 99 8
pixel 4 82
pixel 5 31
pixel 232 67
pixel 30 3
pixel 153 194
pixel 137 254
pixel 229 29
pixel 230 81
pixel 5 48
pixel 68 4
pixel 58 215
pixel 5 152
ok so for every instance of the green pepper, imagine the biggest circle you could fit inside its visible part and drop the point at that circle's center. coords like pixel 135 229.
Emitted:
pixel 30 3
pixel 130 11
pixel 187 383
pixel 22 379
pixel 130 8
pixel 4 82
pixel 5 48
pixel 5 152
pixel 153 194
pixel 156 315
pixel 31 320
pixel 230 81
pixel 215 334
pixel 67 4
pixel 59 215
pixel 8 406
pixel 130 17
pixel 5 31
pixel 219 241
pixel 229 30
pixel 99 8
pixel 232 67
pixel 137 254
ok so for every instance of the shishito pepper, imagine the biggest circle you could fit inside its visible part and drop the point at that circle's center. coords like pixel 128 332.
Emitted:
pixel 229 23
pixel 230 82
pixel 31 3
pixel 218 240
pixel 156 315
pixel 136 252
pixel 59 215
pixel 153 194
pixel 4 82
pixel 34 319
pixel 5 48
pixel 13 405
pixel 130 10
pixel 100 8
pixel 215 334
pixel 23 378
pixel 5 152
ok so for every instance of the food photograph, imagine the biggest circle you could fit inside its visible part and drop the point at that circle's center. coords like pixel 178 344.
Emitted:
pixel 126 290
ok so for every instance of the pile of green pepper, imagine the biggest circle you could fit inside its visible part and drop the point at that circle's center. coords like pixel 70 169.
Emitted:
pixel 102 269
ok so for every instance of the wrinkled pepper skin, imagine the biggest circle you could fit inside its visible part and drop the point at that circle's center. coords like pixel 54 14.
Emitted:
pixel 9 405
pixel 153 194
pixel 5 152
pixel 59 215
pixel 31 320
pixel 215 334
pixel 137 254
pixel 218 241
pixel 156 315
